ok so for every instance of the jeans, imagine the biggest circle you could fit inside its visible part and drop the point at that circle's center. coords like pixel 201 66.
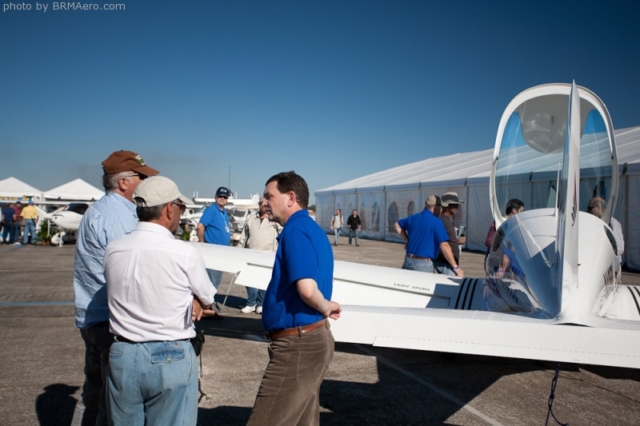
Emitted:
pixel 353 233
pixel 336 235
pixel 29 228
pixel 255 297
pixel 153 383
pixel 8 230
pixel 290 390
pixel 422 265
pixel 92 409
pixel 215 277
pixel 444 268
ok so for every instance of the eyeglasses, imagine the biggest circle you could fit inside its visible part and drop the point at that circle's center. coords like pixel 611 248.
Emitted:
pixel 222 196
pixel 181 206
pixel 141 176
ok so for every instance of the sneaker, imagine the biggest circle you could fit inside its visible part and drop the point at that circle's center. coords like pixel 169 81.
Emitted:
pixel 248 309
pixel 259 310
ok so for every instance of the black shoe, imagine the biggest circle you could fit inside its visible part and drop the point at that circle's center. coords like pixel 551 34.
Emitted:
pixel 357 245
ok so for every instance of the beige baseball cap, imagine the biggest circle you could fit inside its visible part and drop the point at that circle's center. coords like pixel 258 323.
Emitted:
pixel 157 190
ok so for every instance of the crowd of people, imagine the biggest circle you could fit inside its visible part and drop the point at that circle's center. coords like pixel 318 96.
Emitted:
pixel 139 291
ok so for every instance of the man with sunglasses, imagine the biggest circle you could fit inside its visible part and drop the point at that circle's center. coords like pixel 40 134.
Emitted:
pixel 152 280
pixel 108 219
pixel 214 228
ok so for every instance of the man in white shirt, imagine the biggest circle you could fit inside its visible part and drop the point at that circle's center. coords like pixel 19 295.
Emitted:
pixel 152 281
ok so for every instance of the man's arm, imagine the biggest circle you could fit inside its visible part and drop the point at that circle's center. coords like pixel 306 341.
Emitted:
pixel 308 290
pixel 445 248
pixel 200 232
pixel 402 232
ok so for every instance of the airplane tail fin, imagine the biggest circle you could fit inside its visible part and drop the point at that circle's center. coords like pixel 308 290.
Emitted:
pixel 568 204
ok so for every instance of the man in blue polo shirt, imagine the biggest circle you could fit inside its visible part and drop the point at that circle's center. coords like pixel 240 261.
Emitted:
pixel 295 311
pixel 425 235
pixel 214 228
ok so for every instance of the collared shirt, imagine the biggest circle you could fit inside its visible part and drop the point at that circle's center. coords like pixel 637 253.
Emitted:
pixel 617 233
pixel 303 252
pixel 426 232
pixel 216 225
pixel 8 214
pixel 106 220
pixel 151 281
pixel 261 233
pixel 29 212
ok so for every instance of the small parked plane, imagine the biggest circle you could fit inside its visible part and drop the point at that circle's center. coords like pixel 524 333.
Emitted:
pixel 561 298
pixel 67 219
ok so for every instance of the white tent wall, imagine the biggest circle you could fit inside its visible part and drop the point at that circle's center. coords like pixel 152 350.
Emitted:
pixel 372 210
pixel 479 216
pixel 402 201
pixel 324 210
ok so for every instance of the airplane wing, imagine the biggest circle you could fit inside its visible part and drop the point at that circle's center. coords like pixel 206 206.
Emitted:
pixel 492 334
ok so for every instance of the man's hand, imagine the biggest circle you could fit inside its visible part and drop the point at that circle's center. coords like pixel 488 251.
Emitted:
pixel 199 310
pixel 311 295
pixel 459 272
pixel 334 310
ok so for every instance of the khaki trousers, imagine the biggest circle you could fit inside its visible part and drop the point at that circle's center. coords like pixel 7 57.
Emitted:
pixel 290 390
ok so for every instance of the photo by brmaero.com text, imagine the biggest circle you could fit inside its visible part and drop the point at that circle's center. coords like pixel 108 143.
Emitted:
pixel 58 6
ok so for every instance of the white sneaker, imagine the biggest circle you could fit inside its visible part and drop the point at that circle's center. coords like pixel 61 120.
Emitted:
pixel 259 310
pixel 248 309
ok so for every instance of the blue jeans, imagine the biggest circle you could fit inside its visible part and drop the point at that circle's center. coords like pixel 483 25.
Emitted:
pixel 444 268
pixel 154 383
pixel 8 230
pixel 353 233
pixel 421 265
pixel 255 296
pixel 29 228
pixel 336 234
pixel 215 277
pixel 91 409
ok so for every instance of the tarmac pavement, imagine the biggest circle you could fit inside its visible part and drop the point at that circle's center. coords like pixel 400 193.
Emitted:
pixel 41 364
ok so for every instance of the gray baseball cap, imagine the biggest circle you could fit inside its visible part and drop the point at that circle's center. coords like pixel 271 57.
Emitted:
pixel 157 190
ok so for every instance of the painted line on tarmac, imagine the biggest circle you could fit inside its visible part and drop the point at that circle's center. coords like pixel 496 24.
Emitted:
pixel 431 387
pixel 14 304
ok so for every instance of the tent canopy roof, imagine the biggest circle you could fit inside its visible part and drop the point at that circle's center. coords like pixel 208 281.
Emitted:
pixel 76 190
pixel 471 165
pixel 15 188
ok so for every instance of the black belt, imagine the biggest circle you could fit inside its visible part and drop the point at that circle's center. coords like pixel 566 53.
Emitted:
pixel 413 256
pixel 125 340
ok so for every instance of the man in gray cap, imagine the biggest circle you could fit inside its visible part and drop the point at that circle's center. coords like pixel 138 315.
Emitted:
pixel 450 206
pixel 214 228
pixel 152 280
pixel 108 219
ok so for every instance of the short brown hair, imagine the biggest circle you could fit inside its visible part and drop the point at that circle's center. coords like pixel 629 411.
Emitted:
pixel 292 182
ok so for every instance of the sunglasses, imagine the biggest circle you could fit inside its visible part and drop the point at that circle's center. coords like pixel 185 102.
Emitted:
pixel 181 206
pixel 141 176
pixel 223 196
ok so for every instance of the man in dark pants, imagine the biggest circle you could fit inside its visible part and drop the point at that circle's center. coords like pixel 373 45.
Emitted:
pixel 354 224
pixel 296 307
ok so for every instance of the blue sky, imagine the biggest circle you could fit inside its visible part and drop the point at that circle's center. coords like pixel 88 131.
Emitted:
pixel 332 89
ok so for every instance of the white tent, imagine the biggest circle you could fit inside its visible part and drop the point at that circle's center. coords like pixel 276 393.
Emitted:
pixel 384 197
pixel 76 190
pixel 12 189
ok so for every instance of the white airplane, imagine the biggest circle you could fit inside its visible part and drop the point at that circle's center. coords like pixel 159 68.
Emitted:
pixel 560 298
pixel 67 219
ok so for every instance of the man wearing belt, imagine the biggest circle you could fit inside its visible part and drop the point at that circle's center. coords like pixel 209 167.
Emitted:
pixel 296 307
pixel 425 235
pixel 30 217
pixel 152 279
pixel 108 219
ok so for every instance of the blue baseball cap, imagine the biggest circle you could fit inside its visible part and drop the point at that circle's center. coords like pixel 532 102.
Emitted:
pixel 222 192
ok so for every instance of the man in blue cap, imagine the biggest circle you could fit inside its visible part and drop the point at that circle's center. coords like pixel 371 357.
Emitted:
pixel 214 228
